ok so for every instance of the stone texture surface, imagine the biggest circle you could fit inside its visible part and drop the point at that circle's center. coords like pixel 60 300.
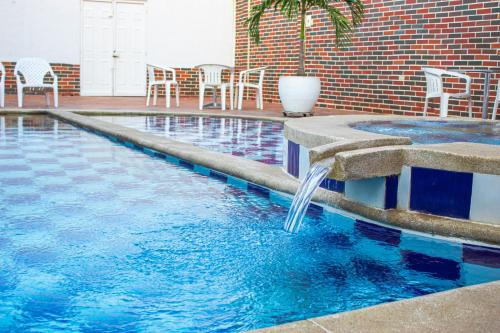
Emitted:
pixel 469 310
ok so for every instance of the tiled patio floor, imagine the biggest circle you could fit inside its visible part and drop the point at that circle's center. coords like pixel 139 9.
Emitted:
pixel 187 104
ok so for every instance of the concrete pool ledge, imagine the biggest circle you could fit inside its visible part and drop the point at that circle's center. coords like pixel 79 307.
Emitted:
pixel 468 309
pixel 132 112
pixel 389 160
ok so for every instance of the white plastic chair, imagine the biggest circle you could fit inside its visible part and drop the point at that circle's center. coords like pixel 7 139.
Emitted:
pixel 154 83
pixel 434 78
pixel 497 101
pixel 33 71
pixel 2 86
pixel 210 77
pixel 244 82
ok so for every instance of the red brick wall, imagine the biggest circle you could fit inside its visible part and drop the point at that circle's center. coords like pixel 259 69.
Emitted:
pixel 68 76
pixel 381 71
pixel 69 80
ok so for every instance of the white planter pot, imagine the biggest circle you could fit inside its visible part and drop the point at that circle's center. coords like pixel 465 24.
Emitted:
pixel 299 94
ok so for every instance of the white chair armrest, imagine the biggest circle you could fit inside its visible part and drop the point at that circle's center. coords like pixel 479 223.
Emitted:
pixel 164 70
pixel 173 71
pixel 467 79
pixel 244 74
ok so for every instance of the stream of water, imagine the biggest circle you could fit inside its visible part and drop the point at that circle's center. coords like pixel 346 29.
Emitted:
pixel 317 173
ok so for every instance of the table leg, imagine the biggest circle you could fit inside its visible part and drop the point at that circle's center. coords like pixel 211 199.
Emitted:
pixel 486 95
pixel 214 104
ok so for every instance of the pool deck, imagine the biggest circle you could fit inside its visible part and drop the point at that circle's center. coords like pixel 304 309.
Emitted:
pixel 188 105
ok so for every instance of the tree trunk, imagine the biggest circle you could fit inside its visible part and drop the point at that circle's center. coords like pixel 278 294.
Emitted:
pixel 302 49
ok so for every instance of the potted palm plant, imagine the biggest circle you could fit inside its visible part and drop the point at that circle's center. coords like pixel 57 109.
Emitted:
pixel 299 93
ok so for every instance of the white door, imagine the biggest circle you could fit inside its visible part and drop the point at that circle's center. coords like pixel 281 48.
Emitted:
pixel 113 48
pixel 97 49
pixel 130 67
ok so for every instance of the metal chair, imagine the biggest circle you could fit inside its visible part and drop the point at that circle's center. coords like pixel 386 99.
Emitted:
pixel 243 83
pixel 2 85
pixel 33 71
pixel 497 100
pixel 434 78
pixel 210 77
pixel 154 83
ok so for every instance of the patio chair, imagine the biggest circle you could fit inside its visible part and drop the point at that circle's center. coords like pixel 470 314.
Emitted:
pixel 154 83
pixel 434 78
pixel 2 86
pixel 30 73
pixel 243 83
pixel 497 100
pixel 210 78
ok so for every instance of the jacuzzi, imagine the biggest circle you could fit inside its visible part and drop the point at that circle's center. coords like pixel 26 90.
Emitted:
pixel 428 174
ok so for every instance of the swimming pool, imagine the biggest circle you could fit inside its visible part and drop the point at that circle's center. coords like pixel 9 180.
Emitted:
pixel 428 132
pixel 100 237
pixel 257 140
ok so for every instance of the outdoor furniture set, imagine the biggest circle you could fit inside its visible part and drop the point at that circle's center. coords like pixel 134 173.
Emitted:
pixel 31 73
pixel 210 77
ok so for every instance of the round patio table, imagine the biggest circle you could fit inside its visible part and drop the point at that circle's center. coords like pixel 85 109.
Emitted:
pixel 487 77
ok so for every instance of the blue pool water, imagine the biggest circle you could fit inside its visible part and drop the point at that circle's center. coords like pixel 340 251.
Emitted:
pixel 98 237
pixel 253 139
pixel 428 132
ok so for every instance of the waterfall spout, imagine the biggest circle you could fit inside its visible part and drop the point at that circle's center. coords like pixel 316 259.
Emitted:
pixel 317 173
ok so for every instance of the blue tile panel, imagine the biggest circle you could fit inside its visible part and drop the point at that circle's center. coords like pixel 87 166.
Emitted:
pixel 379 233
pixel 481 255
pixel 293 158
pixel 333 185
pixel 438 267
pixel 218 175
pixel 440 192
pixel 391 192
pixel 259 190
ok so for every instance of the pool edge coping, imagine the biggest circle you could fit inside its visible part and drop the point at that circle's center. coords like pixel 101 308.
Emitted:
pixel 474 309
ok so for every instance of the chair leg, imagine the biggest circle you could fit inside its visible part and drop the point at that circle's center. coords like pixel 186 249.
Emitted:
pixel 20 97
pixel 167 95
pixel 470 106
pixel 223 97
pixel 257 99
pixel 426 106
pixel 148 97
pixel 56 97
pixel 261 95
pixel 443 110
pixel 155 97
pixel 231 97
pixel 495 109
pixel 240 97
pixel 202 95
pixel 2 95
pixel 177 94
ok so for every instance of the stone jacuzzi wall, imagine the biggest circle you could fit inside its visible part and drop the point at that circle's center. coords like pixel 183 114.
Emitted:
pixel 459 181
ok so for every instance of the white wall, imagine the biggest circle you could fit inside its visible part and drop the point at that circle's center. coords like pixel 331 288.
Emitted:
pixel 46 28
pixel 181 33
pixel 186 33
